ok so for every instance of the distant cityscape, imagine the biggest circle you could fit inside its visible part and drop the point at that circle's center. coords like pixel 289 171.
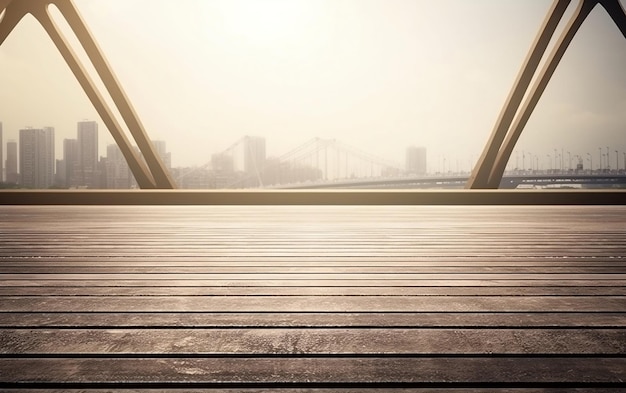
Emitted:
pixel 31 163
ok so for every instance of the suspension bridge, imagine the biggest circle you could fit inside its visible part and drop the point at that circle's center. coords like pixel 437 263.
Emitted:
pixel 246 165
pixel 329 163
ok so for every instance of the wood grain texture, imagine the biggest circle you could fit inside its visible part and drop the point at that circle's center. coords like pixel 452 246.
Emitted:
pixel 313 298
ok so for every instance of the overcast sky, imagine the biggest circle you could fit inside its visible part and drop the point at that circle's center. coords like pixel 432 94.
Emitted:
pixel 377 74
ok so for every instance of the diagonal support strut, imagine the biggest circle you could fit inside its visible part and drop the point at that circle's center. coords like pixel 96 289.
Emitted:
pixel 150 172
pixel 489 169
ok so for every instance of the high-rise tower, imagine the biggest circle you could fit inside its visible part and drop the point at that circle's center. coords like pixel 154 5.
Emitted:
pixel 49 161
pixel 118 174
pixel 70 163
pixel 416 160
pixel 11 163
pixel 37 157
pixel 87 171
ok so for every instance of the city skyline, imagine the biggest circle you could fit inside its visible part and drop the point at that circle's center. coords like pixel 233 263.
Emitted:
pixel 556 158
pixel 246 164
pixel 389 75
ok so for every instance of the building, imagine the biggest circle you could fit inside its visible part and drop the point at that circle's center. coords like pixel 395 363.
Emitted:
pixel 162 152
pixel 117 171
pixel 49 157
pixel 253 154
pixel 29 157
pixel 36 157
pixel 69 174
pixel 59 177
pixel 222 170
pixel 12 174
pixel 87 176
pixel 416 160
pixel 193 177
pixel 222 163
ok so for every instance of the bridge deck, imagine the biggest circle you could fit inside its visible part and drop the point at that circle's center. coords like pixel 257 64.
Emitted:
pixel 353 297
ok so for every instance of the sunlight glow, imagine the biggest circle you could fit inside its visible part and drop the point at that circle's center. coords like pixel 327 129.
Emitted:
pixel 378 75
pixel 264 22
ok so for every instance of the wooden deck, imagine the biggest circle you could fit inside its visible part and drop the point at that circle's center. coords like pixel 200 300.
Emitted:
pixel 306 298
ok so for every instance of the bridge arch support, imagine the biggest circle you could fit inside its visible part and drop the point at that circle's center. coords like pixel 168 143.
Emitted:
pixel 150 172
pixel 514 115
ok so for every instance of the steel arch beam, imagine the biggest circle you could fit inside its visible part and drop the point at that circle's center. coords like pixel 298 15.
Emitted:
pixel 150 173
pixel 489 169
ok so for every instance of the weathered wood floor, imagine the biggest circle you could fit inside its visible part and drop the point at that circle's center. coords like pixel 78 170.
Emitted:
pixel 295 298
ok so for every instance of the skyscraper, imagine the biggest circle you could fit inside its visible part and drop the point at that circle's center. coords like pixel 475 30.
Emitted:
pixel 37 157
pixel 70 163
pixel 48 152
pixel 253 154
pixel 11 163
pixel 87 154
pixel 416 160
pixel 118 175
pixel 30 157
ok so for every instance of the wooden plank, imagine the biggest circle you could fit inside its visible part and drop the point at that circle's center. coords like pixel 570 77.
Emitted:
pixel 315 304
pixel 346 260
pixel 443 297
pixel 486 320
pixel 312 283
pixel 302 341
pixel 372 242
pixel 30 251
pixel 352 263
pixel 281 270
pixel 343 389
pixel 222 371
pixel 134 252
pixel 317 276
pixel 117 289
pixel 260 237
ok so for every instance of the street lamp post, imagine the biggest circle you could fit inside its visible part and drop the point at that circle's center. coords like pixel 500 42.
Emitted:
pixel 537 163
pixel 616 160
pixel 600 156
pixel 550 161
pixel 569 161
pixel 590 162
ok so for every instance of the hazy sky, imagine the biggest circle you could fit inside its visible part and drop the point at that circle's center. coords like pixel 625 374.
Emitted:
pixel 378 74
